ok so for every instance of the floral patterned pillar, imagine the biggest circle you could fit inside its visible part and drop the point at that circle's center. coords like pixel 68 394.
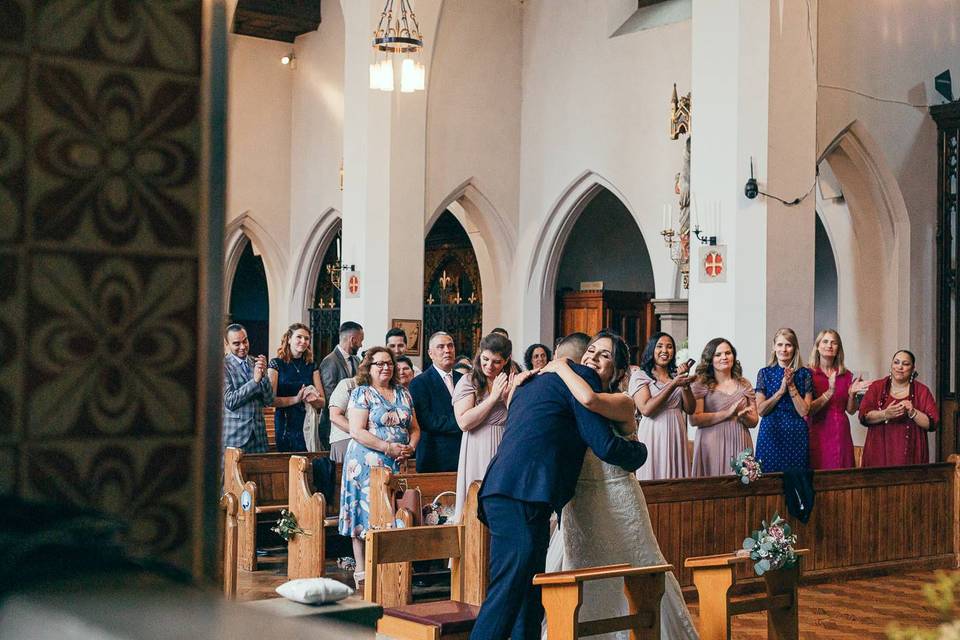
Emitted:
pixel 101 250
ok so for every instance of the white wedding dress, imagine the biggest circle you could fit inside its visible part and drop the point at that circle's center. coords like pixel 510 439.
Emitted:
pixel 607 522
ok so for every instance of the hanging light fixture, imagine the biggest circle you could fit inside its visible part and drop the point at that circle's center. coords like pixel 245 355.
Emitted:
pixel 398 34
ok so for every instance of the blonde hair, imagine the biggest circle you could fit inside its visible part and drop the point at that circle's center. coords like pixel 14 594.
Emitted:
pixel 791 337
pixel 815 354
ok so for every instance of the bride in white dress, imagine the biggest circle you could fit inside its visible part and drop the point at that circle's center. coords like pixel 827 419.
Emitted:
pixel 607 521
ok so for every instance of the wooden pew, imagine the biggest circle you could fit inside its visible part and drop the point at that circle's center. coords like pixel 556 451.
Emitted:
pixel 306 553
pixel 715 576
pixel 228 503
pixel 383 486
pixel 449 619
pixel 563 596
pixel 260 483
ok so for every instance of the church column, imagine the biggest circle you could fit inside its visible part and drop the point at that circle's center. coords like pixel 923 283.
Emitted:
pixel 754 94
pixel 384 157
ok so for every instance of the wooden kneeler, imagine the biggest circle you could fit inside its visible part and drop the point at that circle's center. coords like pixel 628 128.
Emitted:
pixel 563 595
pixel 714 576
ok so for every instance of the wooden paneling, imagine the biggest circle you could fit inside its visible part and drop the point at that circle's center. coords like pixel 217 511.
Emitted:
pixel 628 313
pixel 863 521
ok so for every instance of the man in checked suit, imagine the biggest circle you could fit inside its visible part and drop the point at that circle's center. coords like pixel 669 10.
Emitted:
pixel 246 391
pixel 340 363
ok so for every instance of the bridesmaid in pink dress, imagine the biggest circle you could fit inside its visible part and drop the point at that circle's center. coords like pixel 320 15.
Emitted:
pixel 726 410
pixel 835 395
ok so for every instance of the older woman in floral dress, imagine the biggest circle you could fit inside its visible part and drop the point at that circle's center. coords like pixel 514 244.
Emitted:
pixel 384 431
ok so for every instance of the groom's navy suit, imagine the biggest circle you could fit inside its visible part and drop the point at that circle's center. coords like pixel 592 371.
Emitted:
pixel 533 474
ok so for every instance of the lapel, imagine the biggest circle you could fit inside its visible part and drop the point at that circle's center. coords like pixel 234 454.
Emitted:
pixel 440 384
pixel 344 368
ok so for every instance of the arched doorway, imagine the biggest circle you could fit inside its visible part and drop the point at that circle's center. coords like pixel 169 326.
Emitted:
pixel 250 300
pixel 824 280
pixel 325 307
pixel 452 295
pixel 605 277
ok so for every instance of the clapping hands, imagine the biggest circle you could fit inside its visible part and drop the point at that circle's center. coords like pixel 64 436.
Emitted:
pixel 500 387
pixel 259 368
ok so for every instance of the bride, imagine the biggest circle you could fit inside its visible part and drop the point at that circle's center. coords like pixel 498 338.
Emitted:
pixel 607 521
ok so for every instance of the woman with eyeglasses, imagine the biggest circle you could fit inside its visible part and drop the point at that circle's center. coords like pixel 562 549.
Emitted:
pixel 898 412
pixel 385 433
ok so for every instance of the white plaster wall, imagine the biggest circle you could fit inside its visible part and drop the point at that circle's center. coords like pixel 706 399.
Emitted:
pixel 892 49
pixel 595 103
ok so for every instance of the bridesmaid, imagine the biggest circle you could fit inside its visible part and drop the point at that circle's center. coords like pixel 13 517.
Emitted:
pixel 480 407
pixel 835 395
pixel 726 410
pixel 292 374
pixel 898 412
pixel 661 391
pixel 783 442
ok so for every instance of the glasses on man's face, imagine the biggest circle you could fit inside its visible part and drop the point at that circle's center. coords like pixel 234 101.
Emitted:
pixel 382 365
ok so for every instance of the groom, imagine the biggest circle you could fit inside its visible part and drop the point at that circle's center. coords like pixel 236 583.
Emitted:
pixel 533 474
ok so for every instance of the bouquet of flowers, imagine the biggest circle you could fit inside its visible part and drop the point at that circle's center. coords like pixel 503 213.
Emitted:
pixel 437 512
pixel 772 546
pixel 746 467
pixel 287 526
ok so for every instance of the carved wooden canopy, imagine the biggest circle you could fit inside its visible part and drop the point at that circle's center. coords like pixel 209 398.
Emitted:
pixel 281 20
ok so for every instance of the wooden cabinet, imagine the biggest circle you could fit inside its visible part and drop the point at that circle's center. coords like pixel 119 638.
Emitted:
pixel 947 117
pixel 628 313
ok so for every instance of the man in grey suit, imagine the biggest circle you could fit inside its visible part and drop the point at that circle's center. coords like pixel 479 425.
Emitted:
pixel 340 363
pixel 246 391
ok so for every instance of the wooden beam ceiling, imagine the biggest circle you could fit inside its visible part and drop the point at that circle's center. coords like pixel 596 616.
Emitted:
pixel 281 20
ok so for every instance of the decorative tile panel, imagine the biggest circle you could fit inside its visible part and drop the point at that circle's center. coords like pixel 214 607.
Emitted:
pixel 13 107
pixel 115 158
pixel 161 34
pixel 11 351
pixel 14 24
pixel 8 470
pixel 112 346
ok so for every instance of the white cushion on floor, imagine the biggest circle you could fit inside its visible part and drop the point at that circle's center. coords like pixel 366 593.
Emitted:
pixel 314 590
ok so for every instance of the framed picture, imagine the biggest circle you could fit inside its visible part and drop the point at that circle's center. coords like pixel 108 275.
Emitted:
pixel 413 329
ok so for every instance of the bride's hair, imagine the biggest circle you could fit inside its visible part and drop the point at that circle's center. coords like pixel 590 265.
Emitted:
pixel 621 356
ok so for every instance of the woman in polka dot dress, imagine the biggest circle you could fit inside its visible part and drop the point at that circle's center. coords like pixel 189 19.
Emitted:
pixel 784 393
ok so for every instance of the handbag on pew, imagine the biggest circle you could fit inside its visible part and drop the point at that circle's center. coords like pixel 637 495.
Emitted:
pixel 409 499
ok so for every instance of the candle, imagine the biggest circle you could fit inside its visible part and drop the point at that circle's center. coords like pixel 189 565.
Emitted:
pixel 663 217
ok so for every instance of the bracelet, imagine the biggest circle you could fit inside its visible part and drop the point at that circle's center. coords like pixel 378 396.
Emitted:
pixel 912 415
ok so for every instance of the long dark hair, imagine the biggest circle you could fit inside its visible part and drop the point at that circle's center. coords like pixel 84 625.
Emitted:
pixel 705 371
pixel 528 354
pixel 648 360
pixel 495 343
pixel 621 355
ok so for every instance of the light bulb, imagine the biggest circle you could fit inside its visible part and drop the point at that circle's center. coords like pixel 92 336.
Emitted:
pixel 386 75
pixel 374 76
pixel 408 76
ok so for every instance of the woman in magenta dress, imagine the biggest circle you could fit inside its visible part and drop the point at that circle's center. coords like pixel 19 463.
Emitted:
pixel 898 412
pixel 835 395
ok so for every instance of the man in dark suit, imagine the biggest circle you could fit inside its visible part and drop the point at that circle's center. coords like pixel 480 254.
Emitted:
pixel 340 363
pixel 432 391
pixel 534 474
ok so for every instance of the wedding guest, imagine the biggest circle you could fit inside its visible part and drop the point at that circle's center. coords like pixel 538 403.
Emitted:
pixel 432 393
pixel 246 391
pixel 661 392
pixel 340 363
pixel 536 356
pixel 784 393
pixel 396 341
pixel 725 411
pixel 384 432
pixel 480 407
pixel 514 367
pixel 337 405
pixel 405 371
pixel 834 396
pixel 898 412
pixel 295 380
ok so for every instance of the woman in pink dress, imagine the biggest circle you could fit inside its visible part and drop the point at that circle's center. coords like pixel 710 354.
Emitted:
pixel 661 390
pixel 726 410
pixel 835 395
pixel 898 412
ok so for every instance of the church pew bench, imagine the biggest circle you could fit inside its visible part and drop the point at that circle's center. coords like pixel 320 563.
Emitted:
pixel 466 545
pixel 715 577
pixel 260 483
pixel 306 552
pixel 562 595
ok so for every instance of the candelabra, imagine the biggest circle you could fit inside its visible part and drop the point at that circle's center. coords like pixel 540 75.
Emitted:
pixel 678 246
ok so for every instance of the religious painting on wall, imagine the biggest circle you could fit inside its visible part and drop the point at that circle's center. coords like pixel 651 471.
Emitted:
pixel 413 329
pixel 713 263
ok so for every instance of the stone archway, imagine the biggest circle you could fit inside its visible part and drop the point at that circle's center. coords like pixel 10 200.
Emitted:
pixel 306 269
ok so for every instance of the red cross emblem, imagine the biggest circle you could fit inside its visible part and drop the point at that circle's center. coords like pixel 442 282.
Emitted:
pixel 713 264
pixel 353 284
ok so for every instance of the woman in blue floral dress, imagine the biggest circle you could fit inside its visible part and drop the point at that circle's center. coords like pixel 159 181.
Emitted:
pixel 784 393
pixel 384 432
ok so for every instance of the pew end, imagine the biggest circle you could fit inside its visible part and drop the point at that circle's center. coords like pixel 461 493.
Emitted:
pixel 306 553
pixel 229 506
pixel 562 594
pixel 714 577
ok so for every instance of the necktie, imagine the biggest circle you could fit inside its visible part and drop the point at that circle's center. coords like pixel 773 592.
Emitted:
pixel 246 369
pixel 448 380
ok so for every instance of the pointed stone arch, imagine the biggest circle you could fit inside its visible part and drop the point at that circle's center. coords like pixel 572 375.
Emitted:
pixel 546 252
pixel 309 261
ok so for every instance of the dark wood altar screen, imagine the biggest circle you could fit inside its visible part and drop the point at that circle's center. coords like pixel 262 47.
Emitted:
pixel 947 118
pixel 629 313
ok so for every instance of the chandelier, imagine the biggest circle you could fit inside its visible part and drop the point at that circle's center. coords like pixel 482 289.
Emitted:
pixel 398 36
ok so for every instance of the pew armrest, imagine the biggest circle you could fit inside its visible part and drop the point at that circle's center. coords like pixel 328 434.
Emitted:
pixel 724 559
pixel 598 573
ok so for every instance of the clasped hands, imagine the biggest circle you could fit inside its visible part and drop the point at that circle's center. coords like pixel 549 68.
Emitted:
pixel 259 368
pixel 308 394
pixel 399 452
pixel 741 410
pixel 899 409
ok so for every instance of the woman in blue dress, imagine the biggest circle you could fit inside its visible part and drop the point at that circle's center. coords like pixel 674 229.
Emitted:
pixel 296 383
pixel 784 393
pixel 384 432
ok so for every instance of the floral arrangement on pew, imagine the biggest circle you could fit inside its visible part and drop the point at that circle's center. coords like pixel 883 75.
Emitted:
pixel 439 511
pixel 746 466
pixel 942 595
pixel 771 547
pixel 287 526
